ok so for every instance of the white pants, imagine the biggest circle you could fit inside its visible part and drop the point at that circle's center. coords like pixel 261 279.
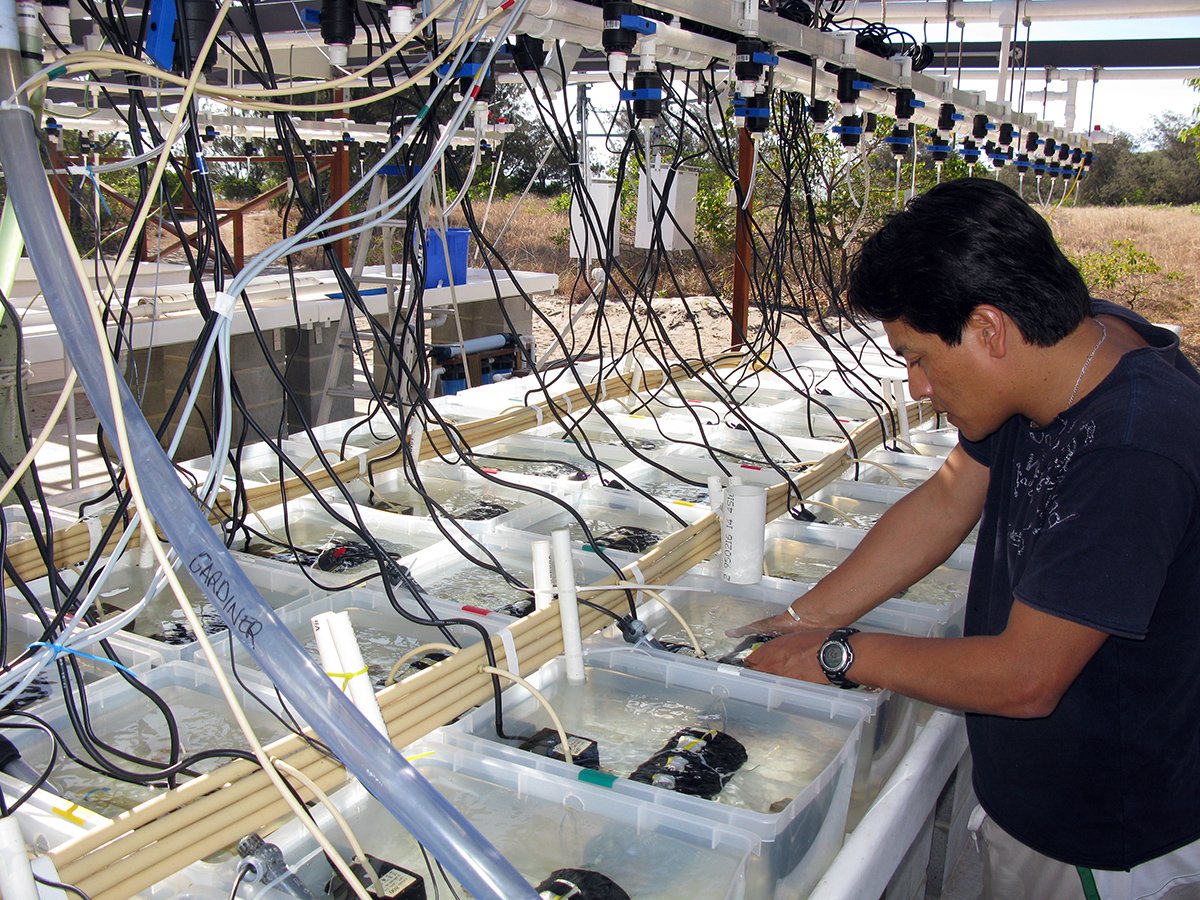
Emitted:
pixel 1013 871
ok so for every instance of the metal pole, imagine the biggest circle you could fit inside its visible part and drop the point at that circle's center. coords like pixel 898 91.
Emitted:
pixel 743 249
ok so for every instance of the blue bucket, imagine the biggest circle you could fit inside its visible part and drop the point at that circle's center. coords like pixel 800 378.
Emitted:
pixel 435 257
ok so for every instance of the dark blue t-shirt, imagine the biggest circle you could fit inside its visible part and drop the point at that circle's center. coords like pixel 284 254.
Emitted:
pixel 1096 518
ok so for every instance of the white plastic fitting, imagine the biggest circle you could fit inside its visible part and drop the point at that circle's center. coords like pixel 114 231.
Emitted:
pixel 743 533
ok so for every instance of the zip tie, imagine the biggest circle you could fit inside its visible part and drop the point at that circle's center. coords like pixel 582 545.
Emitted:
pixel 223 304
pixel 363 464
pixel 510 651
pixel 570 405
pixel 56 649
pixel 637 573
pixel 418 435
pixel 537 411
pixel 346 677
pixel 93 527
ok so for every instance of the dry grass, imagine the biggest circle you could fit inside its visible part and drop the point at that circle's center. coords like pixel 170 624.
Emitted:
pixel 1168 234
pixel 535 238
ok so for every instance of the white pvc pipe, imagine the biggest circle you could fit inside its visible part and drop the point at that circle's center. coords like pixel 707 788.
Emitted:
pixel 16 876
pixel 716 493
pixel 909 11
pixel 543 584
pixel 1006 33
pixel 568 604
pixel 342 660
pixel 869 858
pixel 743 533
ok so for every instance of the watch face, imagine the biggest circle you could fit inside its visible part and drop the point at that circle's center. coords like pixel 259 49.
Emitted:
pixel 833 656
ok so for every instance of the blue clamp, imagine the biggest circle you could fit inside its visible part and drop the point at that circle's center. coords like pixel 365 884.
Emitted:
pixel 899 141
pixel 310 16
pixel 468 70
pixel 640 24
pixel 991 126
pixel 847 129
pixel 957 117
pixel 764 59
pixel 642 94
pixel 160 33
pixel 916 104
pixel 863 85
pixel 753 112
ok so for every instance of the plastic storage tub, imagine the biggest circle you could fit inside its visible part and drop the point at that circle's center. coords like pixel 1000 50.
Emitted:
pixel 794 799
pixel 709 606
pixel 126 719
pixel 383 634
pixel 805 553
pixel 541 823
pixel 320 537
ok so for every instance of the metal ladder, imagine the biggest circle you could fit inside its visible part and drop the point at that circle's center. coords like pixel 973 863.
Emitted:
pixel 336 384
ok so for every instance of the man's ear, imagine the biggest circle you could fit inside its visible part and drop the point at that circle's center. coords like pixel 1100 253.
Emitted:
pixel 992 328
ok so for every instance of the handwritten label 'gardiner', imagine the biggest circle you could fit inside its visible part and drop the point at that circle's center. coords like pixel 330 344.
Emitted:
pixel 207 574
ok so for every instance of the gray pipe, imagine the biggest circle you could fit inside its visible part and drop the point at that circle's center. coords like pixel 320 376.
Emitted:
pixel 365 752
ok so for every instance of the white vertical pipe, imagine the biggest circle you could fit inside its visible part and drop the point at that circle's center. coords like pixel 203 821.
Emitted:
pixel 743 533
pixel 342 660
pixel 16 876
pixel 1006 33
pixel 568 604
pixel 543 584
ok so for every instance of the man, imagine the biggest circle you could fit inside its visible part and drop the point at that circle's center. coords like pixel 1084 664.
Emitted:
pixel 1079 444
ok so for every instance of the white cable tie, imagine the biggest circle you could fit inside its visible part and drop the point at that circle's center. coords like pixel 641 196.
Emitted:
pixel 510 651
pixel 418 435
pixel 570 405
pixel 603 389
pixel 363 464
pixel 537 411
pixel 78 170
pixel 93 527
pixel 637 573
pixel 223 304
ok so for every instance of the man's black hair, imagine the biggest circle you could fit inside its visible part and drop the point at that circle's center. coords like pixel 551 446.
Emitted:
pixel 964 243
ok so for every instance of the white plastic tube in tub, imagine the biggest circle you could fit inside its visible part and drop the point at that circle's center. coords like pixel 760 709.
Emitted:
pixel 366 754
pixel 543 586
pixel 341 657
pixel 743 533
pixel 568 604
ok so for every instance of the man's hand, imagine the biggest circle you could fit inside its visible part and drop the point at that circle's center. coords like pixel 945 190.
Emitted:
pixel 793 655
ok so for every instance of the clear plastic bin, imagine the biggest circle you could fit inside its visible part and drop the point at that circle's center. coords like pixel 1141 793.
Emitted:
pixel 622 523
pixel 125 718
pixel 540 823
pixel 710 606
pixel 319 537
pixel 793 793
pixel 806 553
pixel 383 634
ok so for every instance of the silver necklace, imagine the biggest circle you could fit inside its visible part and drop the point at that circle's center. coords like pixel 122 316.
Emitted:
pixel 1087 362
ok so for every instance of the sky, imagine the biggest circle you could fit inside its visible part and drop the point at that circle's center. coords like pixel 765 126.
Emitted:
pixel 1128 106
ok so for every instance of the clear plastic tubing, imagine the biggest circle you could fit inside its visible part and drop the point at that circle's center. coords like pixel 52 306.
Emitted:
pixel 370 757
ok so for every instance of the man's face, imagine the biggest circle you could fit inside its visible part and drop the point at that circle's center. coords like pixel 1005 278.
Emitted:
pixel 956 379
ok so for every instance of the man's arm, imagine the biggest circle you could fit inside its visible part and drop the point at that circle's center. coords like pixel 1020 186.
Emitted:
pixel 908 542
pixel 1021 672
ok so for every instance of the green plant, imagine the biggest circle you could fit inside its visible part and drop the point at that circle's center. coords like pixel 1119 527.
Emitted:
pixel 1123 273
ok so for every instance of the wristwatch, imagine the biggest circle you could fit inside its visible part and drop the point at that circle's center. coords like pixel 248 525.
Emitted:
pixel 836 657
